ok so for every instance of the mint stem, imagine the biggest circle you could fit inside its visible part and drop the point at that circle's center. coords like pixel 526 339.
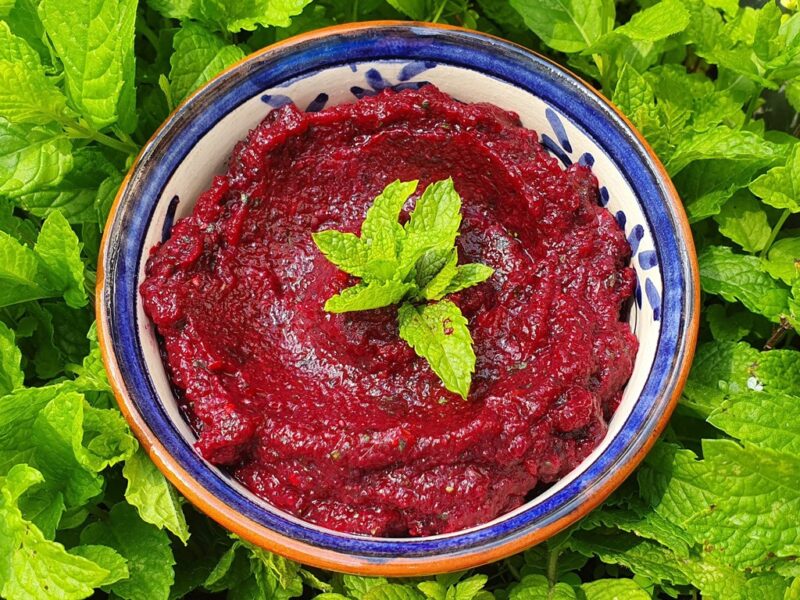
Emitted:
pixel 80 131
pixel 751 106
pixel 552 567
pixel 439 11
pixel 775 231
pixel 143 28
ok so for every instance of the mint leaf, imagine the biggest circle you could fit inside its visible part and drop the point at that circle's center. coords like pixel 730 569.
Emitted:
pixel 346 250
pixel 437 286
pixel 75 195
pixel 438 333
pixel 74 442
pixel 198 56
pixel 469 588
pixel 26 95
pixel 107 558
pixel 232 16
pixel 434 223
pixel 614 589
pixel 381 232
pixel 780 186
pixel 567 25
pixel 635 97
pixel 767 586
pixel 30 565
pixel 231 569
pixel 44 508
pixel 382 220
pixel 746 484
pixel 783 259
pixel 21 229
pixel 367 296
pixel 392 591
pixel 430 264
pixel 707 184
pixel 645 524
pixel 723 143
pixel 726 500
pixel 145 548
pixel 739 277
pixel 94 39
pixel 11 376
pixel 106 192
pixel 792 92
pixel 313 581
pixel 724 364
pixel 467 276
pixel 58 452
pixel 31 158
pixel 657 22
pixel 433 590
pixel 25 23
pixel 779 371
pixel 728 325
pixel 58 247
pixel 91 375
pixel 764 419
pixel 18 411
pixel 646 558
pixel 356 586
pixel 275 576
pixel 743 220
pixel 415 9
pixel 153 496
pixel 23 276
pixel 794 305
pixel 442 588
pixel 537 587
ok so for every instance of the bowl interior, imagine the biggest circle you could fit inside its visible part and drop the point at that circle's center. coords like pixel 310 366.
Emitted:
pixel 180 164
pixel 346 83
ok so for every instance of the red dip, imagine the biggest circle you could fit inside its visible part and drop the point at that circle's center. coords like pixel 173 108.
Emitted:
pixel 332 417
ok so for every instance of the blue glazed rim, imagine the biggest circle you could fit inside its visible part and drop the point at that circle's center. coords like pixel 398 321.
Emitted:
pixel 122 251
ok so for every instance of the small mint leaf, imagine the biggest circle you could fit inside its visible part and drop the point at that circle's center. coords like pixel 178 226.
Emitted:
pixel 382 250
pixel 429 265
pixel 433 224
pixel 780 187
pixel 467 276
pixel 439 334
pixel 346 250
pixel 198 55
pixel 435 289
pixel 783 260
pixel 381 230
pixel 739 277
pixel 366 296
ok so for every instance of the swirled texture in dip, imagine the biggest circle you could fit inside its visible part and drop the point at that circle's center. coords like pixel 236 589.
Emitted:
pixel 332 417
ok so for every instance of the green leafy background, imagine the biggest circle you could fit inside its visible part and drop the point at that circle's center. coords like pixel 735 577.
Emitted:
pixel 712 512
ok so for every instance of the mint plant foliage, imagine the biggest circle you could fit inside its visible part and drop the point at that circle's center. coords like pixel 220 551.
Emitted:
pixel 713 86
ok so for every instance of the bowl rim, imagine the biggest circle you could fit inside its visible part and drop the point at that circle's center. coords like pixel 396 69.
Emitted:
pixel 475 555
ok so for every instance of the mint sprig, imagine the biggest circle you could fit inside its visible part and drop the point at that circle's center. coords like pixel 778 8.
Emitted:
pixel 415 265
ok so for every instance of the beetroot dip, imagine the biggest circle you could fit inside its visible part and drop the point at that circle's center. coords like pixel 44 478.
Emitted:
pixel 332 417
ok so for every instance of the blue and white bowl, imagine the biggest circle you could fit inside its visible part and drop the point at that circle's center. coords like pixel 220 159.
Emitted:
pixel 339 65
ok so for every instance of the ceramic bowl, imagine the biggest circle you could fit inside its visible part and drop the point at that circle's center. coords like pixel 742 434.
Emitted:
pixel 340 65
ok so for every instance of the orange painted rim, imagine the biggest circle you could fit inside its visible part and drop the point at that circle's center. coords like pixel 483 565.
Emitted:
pixel 399 566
